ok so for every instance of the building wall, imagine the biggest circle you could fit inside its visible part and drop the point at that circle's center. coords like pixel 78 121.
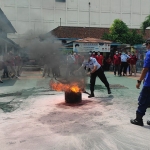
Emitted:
pixel 41 16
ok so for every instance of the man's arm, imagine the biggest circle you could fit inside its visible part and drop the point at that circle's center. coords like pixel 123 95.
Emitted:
pixel 94 69
pixel 142 76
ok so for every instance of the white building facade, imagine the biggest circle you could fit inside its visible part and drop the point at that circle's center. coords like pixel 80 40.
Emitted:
pixel 41 16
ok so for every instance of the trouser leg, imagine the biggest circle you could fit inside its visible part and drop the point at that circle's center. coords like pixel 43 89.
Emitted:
pixel 118 69
pixel 103 78
pixel 121 68
pixel 131 69
pixel 124 68
pixel 144 100
pixel 18 70
pixel 92 82
pixel 115 69
pixel 134 70
pixel 13 70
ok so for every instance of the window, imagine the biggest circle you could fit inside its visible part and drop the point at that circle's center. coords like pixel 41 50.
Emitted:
pixel 60 0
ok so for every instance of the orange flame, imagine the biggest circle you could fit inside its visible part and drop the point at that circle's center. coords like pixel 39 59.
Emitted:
pixel 65 87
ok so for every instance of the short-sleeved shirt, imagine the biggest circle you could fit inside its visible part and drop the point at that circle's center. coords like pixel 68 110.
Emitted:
pixel 124 57
pixel 90 64
pixel 99 59
pixel 147 65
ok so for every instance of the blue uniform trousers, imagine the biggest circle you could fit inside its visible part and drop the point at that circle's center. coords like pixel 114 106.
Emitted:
pixel 144 100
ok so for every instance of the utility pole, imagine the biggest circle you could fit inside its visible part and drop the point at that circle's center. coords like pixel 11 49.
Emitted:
pixel 89 17
pixel 60 21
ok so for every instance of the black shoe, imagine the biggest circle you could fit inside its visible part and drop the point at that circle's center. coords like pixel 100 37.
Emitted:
pixel 91 95
pixel 148 122
pixel 137 122
pixel 1 81
pixel 109 91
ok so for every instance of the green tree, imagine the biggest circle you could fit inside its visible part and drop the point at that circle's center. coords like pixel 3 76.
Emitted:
pixel 145 24
pixel 119 32
pixel 135 38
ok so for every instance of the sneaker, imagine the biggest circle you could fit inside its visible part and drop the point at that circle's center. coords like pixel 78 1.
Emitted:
pixel 1 81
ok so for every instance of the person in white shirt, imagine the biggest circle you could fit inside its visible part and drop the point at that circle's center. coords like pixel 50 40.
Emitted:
pixel 95 70
pixel 124 63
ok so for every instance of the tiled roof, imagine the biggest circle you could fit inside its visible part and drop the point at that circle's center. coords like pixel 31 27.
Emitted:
pixel 84 32
pixel 79 32
pixel 92 40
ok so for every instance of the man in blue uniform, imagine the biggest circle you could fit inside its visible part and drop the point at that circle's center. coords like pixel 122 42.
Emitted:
pixel 144 98
pixel 95 70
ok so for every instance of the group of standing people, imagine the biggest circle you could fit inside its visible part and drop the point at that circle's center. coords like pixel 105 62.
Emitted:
pixel 74 60
pixel 122 61
pixel 10 66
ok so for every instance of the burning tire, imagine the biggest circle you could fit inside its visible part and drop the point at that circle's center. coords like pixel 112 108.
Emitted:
pixel 73 97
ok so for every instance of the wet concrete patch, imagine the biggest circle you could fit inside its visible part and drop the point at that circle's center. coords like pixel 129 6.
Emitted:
pixel 15 99
pixel 9 82
pixel 10 106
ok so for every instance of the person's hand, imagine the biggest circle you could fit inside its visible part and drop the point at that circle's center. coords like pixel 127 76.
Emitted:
pixel 138 85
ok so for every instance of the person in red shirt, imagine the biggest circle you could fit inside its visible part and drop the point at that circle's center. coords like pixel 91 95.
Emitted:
pixel 132 62
pixel 117 63
pixel 99 58
pixel 109 62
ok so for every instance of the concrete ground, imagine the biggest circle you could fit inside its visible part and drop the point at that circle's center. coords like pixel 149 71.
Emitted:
pixel 33 117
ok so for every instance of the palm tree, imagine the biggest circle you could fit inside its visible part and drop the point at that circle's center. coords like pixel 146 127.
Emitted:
pixel 145 24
